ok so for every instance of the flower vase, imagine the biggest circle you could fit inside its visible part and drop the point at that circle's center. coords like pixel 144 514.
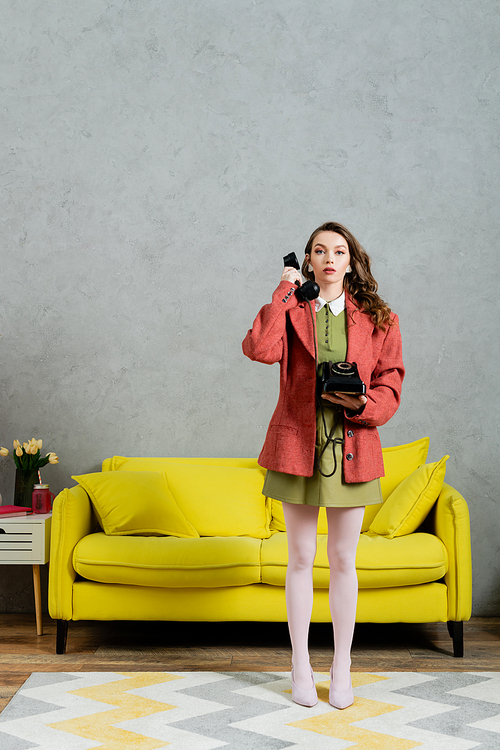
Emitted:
pixel 23 490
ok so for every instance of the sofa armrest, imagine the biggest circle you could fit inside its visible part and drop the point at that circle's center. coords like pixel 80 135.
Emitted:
pixel 72 519
pixel 449 520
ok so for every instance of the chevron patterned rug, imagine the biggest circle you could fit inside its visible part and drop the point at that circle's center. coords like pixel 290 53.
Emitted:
pixel 251 710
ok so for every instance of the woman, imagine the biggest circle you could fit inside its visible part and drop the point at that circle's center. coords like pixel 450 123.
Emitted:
pixel 325 451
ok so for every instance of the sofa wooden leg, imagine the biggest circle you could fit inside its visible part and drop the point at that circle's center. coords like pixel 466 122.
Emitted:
pixel 62 634
pixel 456 631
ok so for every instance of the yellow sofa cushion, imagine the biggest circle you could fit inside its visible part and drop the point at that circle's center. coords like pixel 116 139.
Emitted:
pixel 399 462
pixel 409 504
pixel 168 562
pixel 219 496
pixel 127 502
pixel 380 562
pixel 221 500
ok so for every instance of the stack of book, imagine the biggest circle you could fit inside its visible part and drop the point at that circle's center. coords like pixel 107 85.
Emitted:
pixel 9 511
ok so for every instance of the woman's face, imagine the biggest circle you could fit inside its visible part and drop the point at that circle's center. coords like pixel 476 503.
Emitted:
pixel 329 258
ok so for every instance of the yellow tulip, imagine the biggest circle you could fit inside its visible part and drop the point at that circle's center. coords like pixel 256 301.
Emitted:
pixel 26 447
pixel 19 451
pixel 33 450
pixel 53 459
pixel 39 444
pixel 17 444
pixel 4 452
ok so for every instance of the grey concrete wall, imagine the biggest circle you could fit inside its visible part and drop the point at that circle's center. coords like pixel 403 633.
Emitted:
pixel 159 158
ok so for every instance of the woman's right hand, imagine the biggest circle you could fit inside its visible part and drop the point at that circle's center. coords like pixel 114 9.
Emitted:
pixel 292 275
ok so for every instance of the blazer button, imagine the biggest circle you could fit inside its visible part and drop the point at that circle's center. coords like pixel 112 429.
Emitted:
pixel 349 456
pixel 350 433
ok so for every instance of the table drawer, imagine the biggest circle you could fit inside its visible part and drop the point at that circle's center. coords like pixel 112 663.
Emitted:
pixel 23 543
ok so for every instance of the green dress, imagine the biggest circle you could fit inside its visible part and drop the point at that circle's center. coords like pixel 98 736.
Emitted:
pixel 318 490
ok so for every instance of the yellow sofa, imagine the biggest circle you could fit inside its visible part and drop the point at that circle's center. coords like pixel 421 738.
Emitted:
pixel 226 561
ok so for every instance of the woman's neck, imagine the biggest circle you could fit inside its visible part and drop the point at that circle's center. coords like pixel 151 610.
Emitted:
pixel 332 291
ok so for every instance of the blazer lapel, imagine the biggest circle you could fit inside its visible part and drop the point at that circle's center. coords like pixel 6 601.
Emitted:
pixel 359 331
pixel 305 328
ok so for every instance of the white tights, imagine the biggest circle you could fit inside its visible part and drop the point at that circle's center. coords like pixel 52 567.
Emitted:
pixel 344 526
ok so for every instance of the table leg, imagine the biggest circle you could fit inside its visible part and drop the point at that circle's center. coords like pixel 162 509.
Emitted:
pixel 38 599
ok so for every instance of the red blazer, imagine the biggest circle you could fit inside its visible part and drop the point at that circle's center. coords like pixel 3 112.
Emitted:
pixel 284 332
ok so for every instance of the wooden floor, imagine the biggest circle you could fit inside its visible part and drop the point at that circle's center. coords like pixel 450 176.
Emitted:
pixel 147 647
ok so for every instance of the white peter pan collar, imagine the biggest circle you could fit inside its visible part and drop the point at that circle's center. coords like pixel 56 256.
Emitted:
pixel 336 306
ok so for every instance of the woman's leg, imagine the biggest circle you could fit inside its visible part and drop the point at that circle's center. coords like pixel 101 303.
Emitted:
pixel 344 527
pixel 301 529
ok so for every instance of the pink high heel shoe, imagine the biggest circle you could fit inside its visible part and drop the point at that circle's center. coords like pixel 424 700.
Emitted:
pixel 308 697
pixel 340 698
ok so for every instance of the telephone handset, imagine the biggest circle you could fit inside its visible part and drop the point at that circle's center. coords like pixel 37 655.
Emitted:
pixel 307 290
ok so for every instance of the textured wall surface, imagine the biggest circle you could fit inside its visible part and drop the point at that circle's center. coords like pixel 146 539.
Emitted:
pixel 158 160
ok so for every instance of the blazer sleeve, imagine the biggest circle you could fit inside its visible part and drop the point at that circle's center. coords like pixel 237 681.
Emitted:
pixel 264 341
pixel 384 392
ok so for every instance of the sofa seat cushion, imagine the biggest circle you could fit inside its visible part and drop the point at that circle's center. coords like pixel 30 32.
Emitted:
pixel 380 562
pixel 168 562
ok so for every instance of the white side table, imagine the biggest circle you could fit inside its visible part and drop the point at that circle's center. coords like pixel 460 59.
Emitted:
pixel 25 540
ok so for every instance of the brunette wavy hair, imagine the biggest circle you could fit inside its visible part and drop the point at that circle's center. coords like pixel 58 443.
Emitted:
pixel 360 283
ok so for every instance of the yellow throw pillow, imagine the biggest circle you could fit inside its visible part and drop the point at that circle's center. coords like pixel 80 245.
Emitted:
pixel 221 500
pixel 408 505
pixel 135 503
pixel 399 462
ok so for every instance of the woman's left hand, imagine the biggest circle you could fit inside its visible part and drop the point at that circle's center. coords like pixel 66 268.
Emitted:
pixel 353 403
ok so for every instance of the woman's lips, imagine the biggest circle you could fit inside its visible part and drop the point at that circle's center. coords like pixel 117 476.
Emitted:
pixel 330 270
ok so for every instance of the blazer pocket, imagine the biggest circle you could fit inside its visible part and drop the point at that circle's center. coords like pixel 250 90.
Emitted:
pixel 284 438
